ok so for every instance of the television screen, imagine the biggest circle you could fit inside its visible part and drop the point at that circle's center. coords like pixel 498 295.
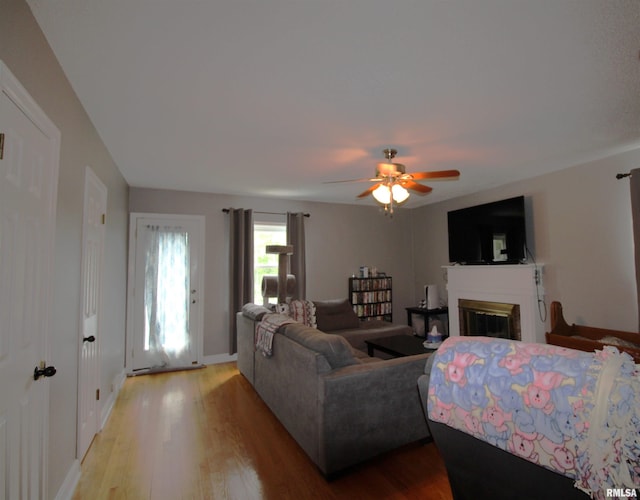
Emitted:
pixel 493 233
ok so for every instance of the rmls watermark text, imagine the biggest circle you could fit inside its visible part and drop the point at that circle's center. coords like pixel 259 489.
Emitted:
pixel 622 493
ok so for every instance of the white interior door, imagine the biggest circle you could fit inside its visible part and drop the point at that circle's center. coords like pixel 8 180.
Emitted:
pixel 165 291
pixel 93 231
pixel 28 186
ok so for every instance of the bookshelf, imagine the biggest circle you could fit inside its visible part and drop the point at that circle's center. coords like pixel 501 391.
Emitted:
pixel 371 297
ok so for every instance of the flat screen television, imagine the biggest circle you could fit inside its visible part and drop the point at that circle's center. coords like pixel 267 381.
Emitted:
pixel 493 233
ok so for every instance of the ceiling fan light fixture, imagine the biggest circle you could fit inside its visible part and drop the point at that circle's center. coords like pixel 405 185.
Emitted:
pixel 385 194
pixel 382 194
pixel 399 193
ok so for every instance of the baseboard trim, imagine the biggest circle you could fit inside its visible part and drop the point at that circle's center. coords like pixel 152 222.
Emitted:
pixel 70 482
pixel 219 358
pixel 118 381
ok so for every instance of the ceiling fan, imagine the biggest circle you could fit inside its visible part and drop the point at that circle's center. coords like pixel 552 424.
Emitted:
pixel 393 183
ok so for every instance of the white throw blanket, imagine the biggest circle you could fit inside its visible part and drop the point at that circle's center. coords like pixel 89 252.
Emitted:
pixel 611 451
pixel 266 329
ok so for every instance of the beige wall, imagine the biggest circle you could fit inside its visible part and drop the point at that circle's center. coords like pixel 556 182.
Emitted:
pixel 579 228
pixel 340 238
pixel 25 51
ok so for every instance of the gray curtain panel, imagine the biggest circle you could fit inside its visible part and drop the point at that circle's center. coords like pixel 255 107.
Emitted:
pixel 240 267
pixel 635 213
pixel 297 261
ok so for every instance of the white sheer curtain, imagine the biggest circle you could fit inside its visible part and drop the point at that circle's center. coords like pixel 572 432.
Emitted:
pixel 166 295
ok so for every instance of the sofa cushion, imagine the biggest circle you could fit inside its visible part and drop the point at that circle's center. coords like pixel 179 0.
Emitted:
pixel 254 311
pixel 335 314
pixel 334 348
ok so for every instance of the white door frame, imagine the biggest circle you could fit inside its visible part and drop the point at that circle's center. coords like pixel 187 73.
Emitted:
pixel 199 220
pixel 37 466
pixel 93 237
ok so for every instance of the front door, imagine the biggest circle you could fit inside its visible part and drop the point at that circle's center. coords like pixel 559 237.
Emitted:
pixel 29 152
pixel 165 291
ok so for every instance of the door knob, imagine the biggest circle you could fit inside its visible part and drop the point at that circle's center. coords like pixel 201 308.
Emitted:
pixel 48 371
pixel 90 338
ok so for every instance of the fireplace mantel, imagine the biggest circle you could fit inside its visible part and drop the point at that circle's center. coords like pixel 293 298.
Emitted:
pixel 510 284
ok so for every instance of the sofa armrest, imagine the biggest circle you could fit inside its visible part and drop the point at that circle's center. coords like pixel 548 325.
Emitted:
pixel 245 328
pixel 369 409
pixel 423 385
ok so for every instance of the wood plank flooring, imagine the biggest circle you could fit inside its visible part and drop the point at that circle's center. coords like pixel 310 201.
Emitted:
pixel 206 434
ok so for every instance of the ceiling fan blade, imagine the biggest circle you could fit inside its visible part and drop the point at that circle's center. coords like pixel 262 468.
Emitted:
pixel 437 174
pixel 350 180
pixel 418 188
pixel 369 191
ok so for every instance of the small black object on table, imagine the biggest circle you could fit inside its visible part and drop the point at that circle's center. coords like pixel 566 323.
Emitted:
pixel 398 345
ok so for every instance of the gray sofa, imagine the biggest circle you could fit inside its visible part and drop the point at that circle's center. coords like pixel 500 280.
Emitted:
pixel 341 406
pixel 337 317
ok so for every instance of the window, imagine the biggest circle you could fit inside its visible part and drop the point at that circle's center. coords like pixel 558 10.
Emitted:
pixel 265 264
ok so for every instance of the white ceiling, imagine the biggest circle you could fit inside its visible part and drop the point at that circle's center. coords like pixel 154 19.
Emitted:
pixel 275 97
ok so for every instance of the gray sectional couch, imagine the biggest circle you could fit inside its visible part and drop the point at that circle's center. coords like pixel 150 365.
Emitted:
pixel 341 406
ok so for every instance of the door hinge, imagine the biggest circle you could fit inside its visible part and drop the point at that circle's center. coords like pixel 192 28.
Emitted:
pixel 97 394
pixel 104 218
pixel 1 146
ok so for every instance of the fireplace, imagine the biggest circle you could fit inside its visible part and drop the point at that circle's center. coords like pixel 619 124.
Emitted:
pixel 514 285
pixel 489 319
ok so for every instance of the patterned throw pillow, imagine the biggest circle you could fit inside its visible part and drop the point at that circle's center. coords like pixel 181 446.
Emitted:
pixel 303 311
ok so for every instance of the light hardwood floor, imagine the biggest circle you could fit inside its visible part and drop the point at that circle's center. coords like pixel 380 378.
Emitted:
pixel 206 434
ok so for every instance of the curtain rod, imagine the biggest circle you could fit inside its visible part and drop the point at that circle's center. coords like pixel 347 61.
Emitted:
pixel 622 176
pixel 227 210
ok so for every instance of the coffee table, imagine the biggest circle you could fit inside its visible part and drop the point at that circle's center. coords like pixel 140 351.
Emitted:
pixel 397 345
